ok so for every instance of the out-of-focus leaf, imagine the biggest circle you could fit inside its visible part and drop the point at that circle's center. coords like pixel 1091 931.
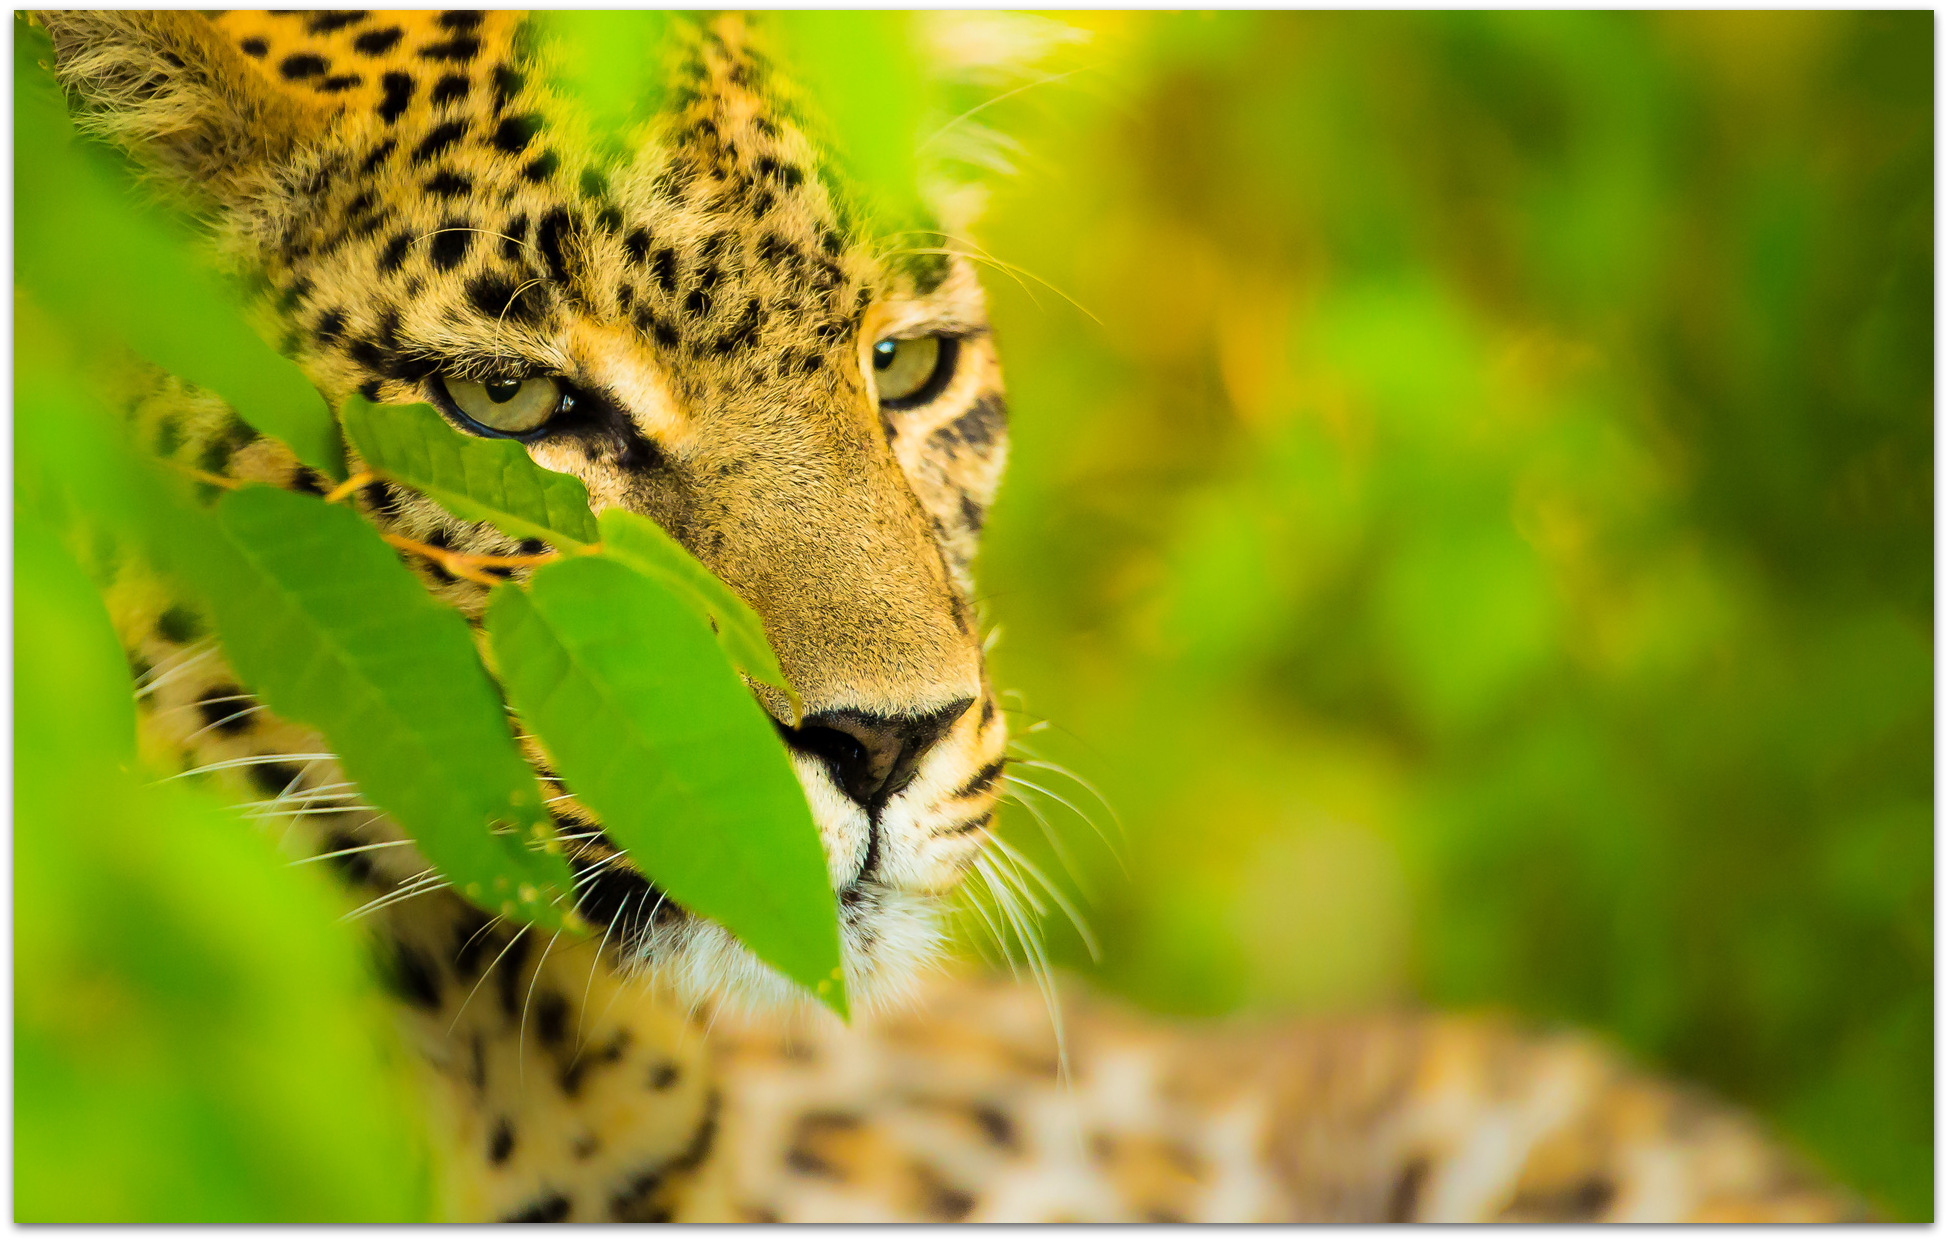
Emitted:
pixel 323 622
pixel 860 73
pixel 66 653
pixel 475 478
pixel 650 726
pixel 194 1038
pixel 95 259
pixel 610 61
pixel 648 549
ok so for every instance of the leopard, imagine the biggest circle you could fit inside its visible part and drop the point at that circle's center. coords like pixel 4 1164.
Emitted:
pixel 703 324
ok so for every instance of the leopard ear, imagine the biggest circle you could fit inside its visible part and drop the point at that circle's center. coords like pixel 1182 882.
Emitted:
pixel 169 87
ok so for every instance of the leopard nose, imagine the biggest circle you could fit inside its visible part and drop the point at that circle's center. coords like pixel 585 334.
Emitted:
pixel 872 757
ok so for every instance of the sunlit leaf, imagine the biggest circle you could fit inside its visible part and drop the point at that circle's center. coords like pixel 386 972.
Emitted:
pixel 97 260
pixel 648 549
pixel 479 479
pixel 650 726
pixel 323 622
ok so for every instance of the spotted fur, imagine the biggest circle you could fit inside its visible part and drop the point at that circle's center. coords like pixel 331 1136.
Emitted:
pixel 411 201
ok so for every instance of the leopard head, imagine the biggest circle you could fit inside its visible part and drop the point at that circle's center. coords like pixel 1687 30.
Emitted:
pixel 691 322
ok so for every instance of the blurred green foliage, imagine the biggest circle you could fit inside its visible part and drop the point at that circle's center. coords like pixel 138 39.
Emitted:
pixel 1483 550
pixel 195 1039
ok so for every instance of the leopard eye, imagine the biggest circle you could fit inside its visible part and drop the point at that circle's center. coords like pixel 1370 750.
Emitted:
pixel 508 406
pixel 913 371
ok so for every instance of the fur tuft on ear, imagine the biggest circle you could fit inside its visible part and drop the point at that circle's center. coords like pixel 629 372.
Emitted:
pixel 175 93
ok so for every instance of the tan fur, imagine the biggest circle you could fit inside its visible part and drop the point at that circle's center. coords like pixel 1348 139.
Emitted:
pixel 707 293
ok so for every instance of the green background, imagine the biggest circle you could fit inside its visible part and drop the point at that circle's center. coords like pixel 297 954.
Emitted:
pixel 1482 549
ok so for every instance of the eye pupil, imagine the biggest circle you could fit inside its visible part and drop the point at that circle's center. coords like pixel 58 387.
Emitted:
pixel 501 391
pixel 884 353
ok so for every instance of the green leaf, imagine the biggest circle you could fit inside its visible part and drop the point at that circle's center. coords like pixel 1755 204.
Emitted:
pixel 94 258
pixel 861 74
pixel 66 653
pixel 321 619
pixel 650 726
pixel 648 549
pixel 474 478
pixel 610 61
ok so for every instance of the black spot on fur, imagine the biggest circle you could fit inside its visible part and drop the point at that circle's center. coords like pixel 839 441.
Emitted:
pixel 179 625
pixel 449 184
pixel 549 237
pixel 637 244
pixel 398 89
pixel 594 184
pixel 451 241
pixel 982 780
pixel 340 82
pixel 378 42
pixel 551 1209
pixel 439 140
pixel 461 19
pixel 550 1018
pixel 311 482
pixel 331 325
pixel 458 50
pixel 255 47
pixel 226 709
pixel 744 332
pixel 542 167
pixel 395 253
pixel 664 269
pixel 376 157
pixel 370 390
pixel 301 66
pixel 663 1075
pixel 497 298
pixel 514 133
pixel 451 89
pixel 501 1145
pixel 1404 1199
pixel 354 868
pixel 273 778
pixel 169 436
pixel 996 1126
pixel 980 426
pixel 507 84
pixel 326 22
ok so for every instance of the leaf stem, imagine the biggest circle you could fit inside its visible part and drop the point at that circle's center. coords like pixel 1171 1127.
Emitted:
pixel 349 486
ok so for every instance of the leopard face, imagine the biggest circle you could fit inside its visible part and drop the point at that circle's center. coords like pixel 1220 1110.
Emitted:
pixel 691 326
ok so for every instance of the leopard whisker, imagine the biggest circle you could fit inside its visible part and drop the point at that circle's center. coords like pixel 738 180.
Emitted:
pixel 521 1039
pixel 323 857
pixel 486 973
pixel 175 666
pixel 1056 895
pixel 248 760
pixel 426 881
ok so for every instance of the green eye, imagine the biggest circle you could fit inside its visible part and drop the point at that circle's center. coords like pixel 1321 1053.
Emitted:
pixel 508 406
pixel 912 371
